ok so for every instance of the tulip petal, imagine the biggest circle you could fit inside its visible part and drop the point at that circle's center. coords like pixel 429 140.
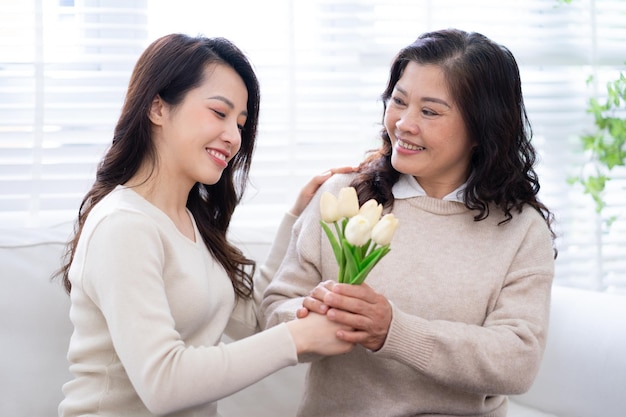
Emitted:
pixel 372 211
pixel 348 202
pixel 358 230
pixel 329 207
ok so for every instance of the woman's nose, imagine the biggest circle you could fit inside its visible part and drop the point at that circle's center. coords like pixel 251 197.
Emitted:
pixel 407 123
pixel 232 135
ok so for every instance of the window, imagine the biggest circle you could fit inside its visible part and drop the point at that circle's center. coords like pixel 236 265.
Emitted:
pixel 63 72
pixel 64 66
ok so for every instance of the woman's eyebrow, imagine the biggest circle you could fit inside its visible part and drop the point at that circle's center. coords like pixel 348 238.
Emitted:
pixel 436 100
pixel 227 102
pixel 424 99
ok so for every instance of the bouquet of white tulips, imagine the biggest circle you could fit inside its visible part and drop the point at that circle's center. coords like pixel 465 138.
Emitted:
pixel 361 236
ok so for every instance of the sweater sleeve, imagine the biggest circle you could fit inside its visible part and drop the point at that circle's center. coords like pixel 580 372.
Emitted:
pixel 245 319
pixel 301 269
pixel 122 274
pixel 501 356
pixel 299 273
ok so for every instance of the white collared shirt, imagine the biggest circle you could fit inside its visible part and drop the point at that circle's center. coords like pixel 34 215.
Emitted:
pixel 407 187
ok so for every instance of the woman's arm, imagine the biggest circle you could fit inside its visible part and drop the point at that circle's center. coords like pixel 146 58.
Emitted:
pixel 245 319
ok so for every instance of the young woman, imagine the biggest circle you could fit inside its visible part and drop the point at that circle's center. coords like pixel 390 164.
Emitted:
pixel 455 317
pixel 154 282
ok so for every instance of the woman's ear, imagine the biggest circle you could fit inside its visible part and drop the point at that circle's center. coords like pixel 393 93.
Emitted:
pixel 155 114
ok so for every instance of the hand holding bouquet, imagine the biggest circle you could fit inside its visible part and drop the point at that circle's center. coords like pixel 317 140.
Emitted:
pixel 361 237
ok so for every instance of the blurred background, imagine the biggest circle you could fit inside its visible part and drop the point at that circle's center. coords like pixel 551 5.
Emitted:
pixel 65 64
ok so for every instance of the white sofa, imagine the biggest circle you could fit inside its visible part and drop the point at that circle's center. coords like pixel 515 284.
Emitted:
pixel 583 373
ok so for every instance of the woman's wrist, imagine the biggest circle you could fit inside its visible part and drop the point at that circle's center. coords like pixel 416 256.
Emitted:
pixel 298 336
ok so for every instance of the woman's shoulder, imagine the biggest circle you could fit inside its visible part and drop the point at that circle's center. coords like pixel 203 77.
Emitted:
pixel 122 210
pixel 527 218
pixel 337 182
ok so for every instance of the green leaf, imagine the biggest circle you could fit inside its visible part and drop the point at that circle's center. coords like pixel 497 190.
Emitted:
pixel 594 186
pixel 352 268
pixel 333 243
pixel 607 144
pixel 369 264
pixel 362 250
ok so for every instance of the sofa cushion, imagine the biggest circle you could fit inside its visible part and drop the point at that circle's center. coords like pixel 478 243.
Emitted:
pixel 519 410
pixel 583 373
pixel 34 323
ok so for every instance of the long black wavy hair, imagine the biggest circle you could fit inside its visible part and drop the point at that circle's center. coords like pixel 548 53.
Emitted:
pixel 170 67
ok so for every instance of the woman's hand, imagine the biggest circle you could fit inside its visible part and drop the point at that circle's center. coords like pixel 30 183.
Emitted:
pixel 317 334
pixel 314 302
pixel 365 313
pixel 308 191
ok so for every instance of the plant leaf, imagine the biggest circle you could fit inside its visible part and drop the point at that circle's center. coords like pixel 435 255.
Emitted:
pixel 352 268
pixel 333 243
pixel 369 263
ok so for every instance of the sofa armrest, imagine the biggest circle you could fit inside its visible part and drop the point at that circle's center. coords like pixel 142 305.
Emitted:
pixel 34 322
pixel 583 373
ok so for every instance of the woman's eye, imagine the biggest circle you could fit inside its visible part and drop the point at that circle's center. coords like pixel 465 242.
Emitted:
pixel 428 112
pixel 397 101
pixel 241 127
pixel 219 113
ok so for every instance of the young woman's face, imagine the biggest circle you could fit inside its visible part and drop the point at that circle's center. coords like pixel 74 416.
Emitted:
pixel 428 136
pixel 198 137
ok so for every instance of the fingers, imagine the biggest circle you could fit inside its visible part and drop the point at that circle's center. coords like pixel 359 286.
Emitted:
pixel 362 315
pixel 321 290
pixel 366 312
pixel 353 298
pixel 344 170
pixel 362 291
pixel 352 336
pixel 302 313
pixel 314 305
pixel 310 188
pixel 368 333
pixel 314 302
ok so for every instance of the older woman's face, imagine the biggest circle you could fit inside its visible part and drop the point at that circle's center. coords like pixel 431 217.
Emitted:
pixel 428 135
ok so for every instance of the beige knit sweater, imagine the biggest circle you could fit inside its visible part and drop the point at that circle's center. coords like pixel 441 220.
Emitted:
pixel 149 307
pixel 470 312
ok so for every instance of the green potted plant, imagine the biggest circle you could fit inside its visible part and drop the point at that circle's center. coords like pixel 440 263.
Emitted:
pixel 606 146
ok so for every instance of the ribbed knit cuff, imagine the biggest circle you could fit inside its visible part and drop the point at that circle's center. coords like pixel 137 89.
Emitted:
pixel 409 340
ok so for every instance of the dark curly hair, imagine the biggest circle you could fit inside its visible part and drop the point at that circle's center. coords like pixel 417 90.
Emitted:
pixel 483 78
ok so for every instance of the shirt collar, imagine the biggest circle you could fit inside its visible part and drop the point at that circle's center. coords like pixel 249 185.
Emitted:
pixel 408 187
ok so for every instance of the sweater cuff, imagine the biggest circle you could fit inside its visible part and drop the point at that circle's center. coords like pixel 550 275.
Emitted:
pixel 409 340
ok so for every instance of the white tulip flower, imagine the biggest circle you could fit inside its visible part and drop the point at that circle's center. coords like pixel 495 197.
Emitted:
pixel 371 210
pixel 358 230
pixel 383 231
pixel 348 202
pixel 354 230
pixel 329 207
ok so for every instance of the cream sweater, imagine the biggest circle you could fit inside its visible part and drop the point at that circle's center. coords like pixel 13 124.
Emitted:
pixel 470 312
pixel 149 307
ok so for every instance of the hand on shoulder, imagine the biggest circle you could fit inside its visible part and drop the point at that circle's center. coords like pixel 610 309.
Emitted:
pixel 308 191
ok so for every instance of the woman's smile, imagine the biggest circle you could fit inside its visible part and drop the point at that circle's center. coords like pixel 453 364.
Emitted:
pixel 219 157
pixel 403 145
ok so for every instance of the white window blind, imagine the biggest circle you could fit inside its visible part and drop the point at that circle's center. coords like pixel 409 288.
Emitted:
pixel 322 64
pixel 64 66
